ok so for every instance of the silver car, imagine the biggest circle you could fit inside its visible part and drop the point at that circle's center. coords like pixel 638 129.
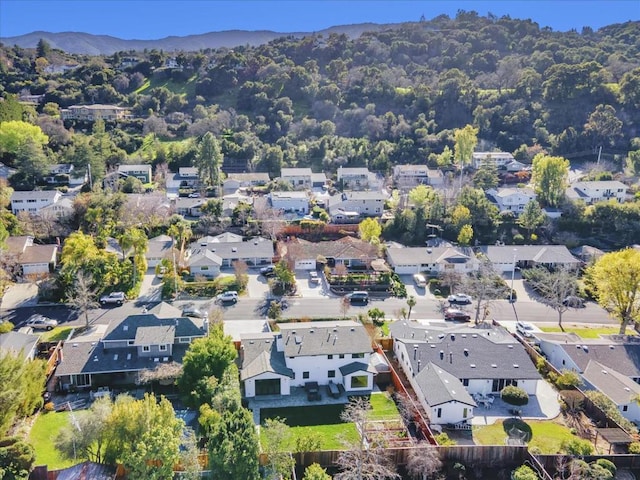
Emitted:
pixel 40 322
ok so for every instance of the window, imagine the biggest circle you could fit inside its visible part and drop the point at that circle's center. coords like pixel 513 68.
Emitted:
pixel 330 357
pixel 163 348
pixel 341 355
pixel 439 413
pixel 331 374
pixel 305 374
pixel 204 268
pixel 625 408
pixel 359 381
pixel 465 412
pixel 146 348
pixel 130 342
pixel 465 382
pixel 357 355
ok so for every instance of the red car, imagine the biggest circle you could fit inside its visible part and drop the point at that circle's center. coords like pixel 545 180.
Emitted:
pixel 456 314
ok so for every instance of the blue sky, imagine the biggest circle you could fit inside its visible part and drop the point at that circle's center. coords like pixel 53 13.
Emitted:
pixel 150 19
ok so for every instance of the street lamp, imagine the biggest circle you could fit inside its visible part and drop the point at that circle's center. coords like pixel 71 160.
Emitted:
pixel 513 274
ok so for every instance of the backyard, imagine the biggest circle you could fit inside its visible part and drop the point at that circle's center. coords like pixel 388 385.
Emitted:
pixel 43 435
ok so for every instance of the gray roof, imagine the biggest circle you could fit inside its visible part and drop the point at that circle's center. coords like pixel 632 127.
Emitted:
pixel 599 185
pixel 249 177
pixel 295 172
pixel 354 196
pixel 619 388
pixel 354 367
pixel 439 386
pixel 282 195
pixel 81 471
pixel 126 328
pixel 346 248
pixel 203 257
pixel 255 248
pixel 260 355
pixel 353 171
pixel 424 255
pixel 466 352
pixel 16 342
pixel 24 195
pixel 542 254
pixel 160 335
pixel 324 338
pixel 159 247
pixel 164 310
pixel 622 356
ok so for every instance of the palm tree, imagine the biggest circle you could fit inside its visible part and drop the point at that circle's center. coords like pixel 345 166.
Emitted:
pixel 181 233
pixel 135 239
pixel 411 302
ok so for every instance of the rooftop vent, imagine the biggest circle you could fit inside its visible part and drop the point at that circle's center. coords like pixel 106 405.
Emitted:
pixel 585 348
pixel 128 356
pixel 234 249
pixel 510 346
pixel 298 340
pixel 267 341
pixel 115 356
pixel 464 335
pixel 311 331
pixel 493 365
pixel 515 365
pixel 611 347
pixel 466 352
pixel 353 329
pixel 95 358
pixel 74 345
pixel 473 365
pixel 125 327
pixel 453 336
pixel 441 336
pixel 604 372
pixel 474 336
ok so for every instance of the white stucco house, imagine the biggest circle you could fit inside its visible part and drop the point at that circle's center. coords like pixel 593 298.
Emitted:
pixel 141 172
pixel 511 199
pixel 296 201
pixel 505 257
pixel 366 204
pixel 208 255
pixel 447 364
pixel 34 260
pixel 348 251
pixel 409 176
pixel 303 178
pixel 337 352
pixel 498 159
pixel 358 178
pixel 597 191
pixel 234 181
pixel 33 201
pixel 433 260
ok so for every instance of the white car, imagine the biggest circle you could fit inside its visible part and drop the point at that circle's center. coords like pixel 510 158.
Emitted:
pixel 194 195
pixel 524 329
pixel 228 297
pixel 420 280
pixel 40 322
pixel 460 298
pixel 313 277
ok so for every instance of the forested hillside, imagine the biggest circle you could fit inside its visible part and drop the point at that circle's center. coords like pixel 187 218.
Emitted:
pixel 385 98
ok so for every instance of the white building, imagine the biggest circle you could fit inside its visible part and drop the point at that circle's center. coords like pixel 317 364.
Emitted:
pixel 505 257
pixel 409 176
pixel 290 201
pixel 34 260
pixel 597 191
pixel 367 204
pixel 511 199
pixel 358 178
pixel 337 352
pixel 234 181
pixel 141 172
pixel 34 200
pixel 303 178
pixel 433 260
pixel 498 159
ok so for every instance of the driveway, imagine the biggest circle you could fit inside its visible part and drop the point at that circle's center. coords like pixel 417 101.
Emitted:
pixel 306 289
pixel 412 289
pixel 524 293
pixel 257 287
pixel 20 295
pixel 151 289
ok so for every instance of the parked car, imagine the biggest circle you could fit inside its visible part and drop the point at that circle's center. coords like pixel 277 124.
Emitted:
pixel 114 298
pixel 314 277
pixel 460 299
pixel 456 314
pixel 191 311
pixel 358 297
pixel 228 297
pixel 194 195
pixel 573 301
pixel 40 322
pixel 524 329
pixel 268 271
pixel 420 280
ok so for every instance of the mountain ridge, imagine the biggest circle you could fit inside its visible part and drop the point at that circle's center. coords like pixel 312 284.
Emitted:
pixel 91 44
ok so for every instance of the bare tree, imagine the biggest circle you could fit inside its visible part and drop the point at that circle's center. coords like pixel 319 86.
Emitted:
pixel 271 220
pixel 240 269
pixel 345 305
pixel 554 288
pixel 423 461
pixel 451 279
pixel 83 295
pixel 362 459
pixel 485 286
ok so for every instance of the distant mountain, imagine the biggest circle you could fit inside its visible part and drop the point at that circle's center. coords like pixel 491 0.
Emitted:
pixel 86 43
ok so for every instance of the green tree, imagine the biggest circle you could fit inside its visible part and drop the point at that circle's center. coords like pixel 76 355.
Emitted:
pixel 17 458
pixel 284 277
pixel 615 278
pixel 212 208
pixel 420 196
pixel 377 316
pixel 465 236
pixel 423 461
pixel 180 231
pixel 577 446
pixel 208 160
pixel 549 175
pixel 531 217
pixel 411 302
pixel 524 473
pixel 43 49
pixel 32 165
pixel 466 140
pixel 203 365
pixel 514 396
pixel 276 435
pixel 15 133
pixel 10 109
pixel 315 472
pixel 136 240
pixel 603 127
pixel 234 447
pixel 486 177
pixel 568 380
pixel 370 230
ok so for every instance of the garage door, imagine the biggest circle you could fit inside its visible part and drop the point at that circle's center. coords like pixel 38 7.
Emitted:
pixel 404 269
pixel 305 264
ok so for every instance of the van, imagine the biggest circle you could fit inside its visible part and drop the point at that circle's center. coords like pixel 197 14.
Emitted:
pixel 420 280
pixel 359 297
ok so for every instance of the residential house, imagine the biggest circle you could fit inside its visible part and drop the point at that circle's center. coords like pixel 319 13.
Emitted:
pixel 408 176
pixel 435 177
pixel 609 364
pixel 337 352
pixel 33 201
pixel 365 204
pixel 505 257
pixel 432 260
pixel 597 191
pixel 129 346
pixel 290 201
pixel 61 209
pixel 187 207
pixel 348 251
pixel 59 173
pixel 208 255
pixel 141 172
pixel 358 178
pixel 158 249
pixel 187 177
pixel 303 178
pixel 94 112
pixel 515 166
pixel 497 159
pixel 511 199
pixel 234 181
pixel 58 69
pixel 18 343
pixel 34 260
pixel 587 253
pixel 446 365
pixel 232 200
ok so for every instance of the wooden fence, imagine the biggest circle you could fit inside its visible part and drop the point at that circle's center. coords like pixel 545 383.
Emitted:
pixel 327 229
pixel 629 462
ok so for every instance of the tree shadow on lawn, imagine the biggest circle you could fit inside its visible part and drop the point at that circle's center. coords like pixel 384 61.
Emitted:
pixel 517 429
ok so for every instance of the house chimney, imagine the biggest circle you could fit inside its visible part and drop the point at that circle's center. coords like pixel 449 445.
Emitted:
pixel 450 357
pixel 419 362
pixel 415 351
pixel 441 355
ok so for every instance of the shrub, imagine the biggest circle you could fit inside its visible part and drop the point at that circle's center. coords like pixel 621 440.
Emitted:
pixel 514 395
pixel 443 439
pixel 518 239
pixel 609 408
pixel 607 464
pixel 568 380
pixel 577 446
pixel 524 473
pixel 634 448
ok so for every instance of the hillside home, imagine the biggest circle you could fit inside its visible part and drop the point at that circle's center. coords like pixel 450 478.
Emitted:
pixel 511 199
pixel 187 207
pixel 365 204
pixel 128 346
pixel 504 258
pixel 208 255
pixel 348 251
pixel 408 176
pixel 290 201
pixel 303 178
pixel 234 181
pixel 432 260
pixel 33 201
pixel 62 208
pixel 610 365
pixel 358 178
pixel 34 260
pixel 337 352
pixel 597 191
pixel 497 159
pixel 94 112
pixel 447 365
pixel 141 172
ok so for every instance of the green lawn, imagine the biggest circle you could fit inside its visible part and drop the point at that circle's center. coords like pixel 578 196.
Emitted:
pixel 58 333
pixel 43 435
pixel 180 87
pixel 547 436
pixel 384 408
pixel 588 332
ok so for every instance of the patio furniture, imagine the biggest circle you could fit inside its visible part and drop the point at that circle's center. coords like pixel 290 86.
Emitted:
pixel 334 391
pixel 101 392
pixel 313 391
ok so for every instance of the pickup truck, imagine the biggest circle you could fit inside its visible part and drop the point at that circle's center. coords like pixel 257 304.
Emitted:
pixel 114 298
